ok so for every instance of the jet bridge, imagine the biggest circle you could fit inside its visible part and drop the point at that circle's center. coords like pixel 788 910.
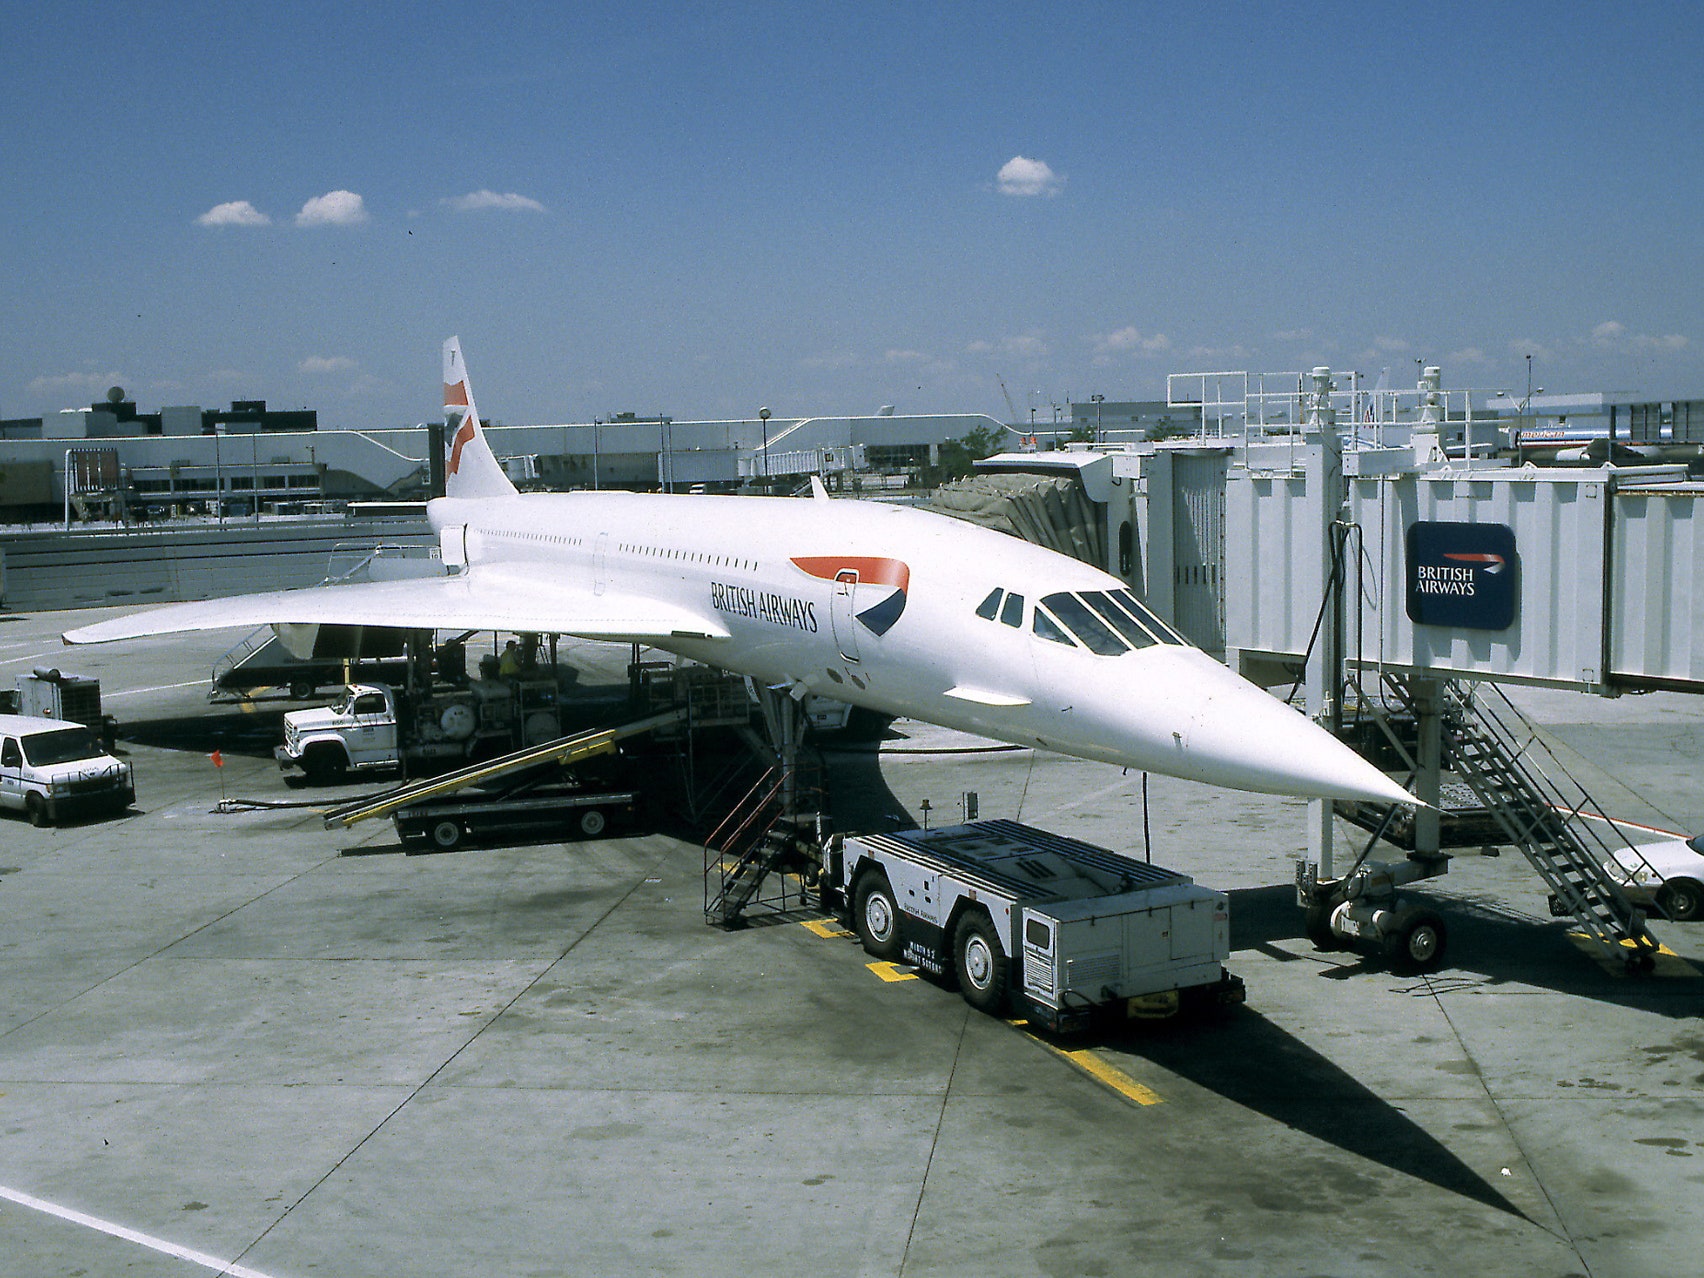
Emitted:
pixel 1379 556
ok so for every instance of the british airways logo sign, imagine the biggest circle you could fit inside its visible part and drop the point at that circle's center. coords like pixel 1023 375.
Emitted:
pixel 1465 576
pixel 879 586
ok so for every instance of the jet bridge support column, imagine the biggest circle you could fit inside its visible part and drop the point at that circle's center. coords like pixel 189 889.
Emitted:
pixel 1428 701
pixel 1324 677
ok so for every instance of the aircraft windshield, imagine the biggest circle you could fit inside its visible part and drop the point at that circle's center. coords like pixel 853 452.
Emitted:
pixel 1094 634
pixel 1106 622
pixel 1146 615
pixel 62 745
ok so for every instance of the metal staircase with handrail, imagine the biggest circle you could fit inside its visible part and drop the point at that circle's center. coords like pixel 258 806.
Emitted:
pixel 1501 758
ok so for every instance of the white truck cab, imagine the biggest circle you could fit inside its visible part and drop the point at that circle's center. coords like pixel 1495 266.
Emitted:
pixel 358 731
pixel 370 727
pixel 51 768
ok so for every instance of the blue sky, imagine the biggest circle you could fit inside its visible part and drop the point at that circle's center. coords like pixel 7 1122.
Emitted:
pixel 698 209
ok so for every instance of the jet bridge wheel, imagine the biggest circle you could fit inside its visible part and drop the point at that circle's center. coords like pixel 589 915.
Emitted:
pixel 876 916
pixel 1417 944
pixel 980 964
pixel 1316 924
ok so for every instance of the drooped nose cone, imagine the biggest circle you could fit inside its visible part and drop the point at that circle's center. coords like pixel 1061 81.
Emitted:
pixel 1235 734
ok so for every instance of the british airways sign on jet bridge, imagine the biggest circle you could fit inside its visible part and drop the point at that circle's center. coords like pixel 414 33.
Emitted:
pixel 1465 576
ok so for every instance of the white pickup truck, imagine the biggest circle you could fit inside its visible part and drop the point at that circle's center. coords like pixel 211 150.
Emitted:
pixel 51 769
pixel 363 730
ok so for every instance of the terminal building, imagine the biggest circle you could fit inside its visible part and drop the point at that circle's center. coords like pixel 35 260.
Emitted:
pixel 111 461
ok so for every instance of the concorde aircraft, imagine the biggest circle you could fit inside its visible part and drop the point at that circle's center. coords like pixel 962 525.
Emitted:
pixel 898 610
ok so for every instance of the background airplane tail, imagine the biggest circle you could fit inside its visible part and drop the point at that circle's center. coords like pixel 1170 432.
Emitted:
pixel 471 470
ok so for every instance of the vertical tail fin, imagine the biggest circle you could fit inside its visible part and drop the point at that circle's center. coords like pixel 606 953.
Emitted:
pixel 472 469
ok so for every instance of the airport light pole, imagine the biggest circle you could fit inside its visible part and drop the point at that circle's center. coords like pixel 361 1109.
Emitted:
pixel 1098 401
pixel 763 415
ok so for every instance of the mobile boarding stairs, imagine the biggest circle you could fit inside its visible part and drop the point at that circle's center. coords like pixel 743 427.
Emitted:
pixel 1536 803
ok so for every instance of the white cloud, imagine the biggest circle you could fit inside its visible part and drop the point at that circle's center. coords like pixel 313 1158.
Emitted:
pixel 1468 355
pixel 1521 347
pixel 1021 175
pixel 1018 346
pixel 906 357
pixel 81 383
pixel 326 364
pixel 510 202
pixel 1131 341
pixel 334 208
pixel 831 360
pixel 1219 354
pixel 1293 335
pixel 1667 342
pixel 1613 335
pixel 233 213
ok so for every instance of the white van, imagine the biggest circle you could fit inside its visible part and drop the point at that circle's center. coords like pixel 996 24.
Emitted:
pixel 50 769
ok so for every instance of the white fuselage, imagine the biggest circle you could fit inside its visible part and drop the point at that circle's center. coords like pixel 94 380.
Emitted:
pixel 877 605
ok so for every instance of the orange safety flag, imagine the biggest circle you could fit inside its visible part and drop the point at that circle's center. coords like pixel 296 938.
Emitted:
pixel 218 759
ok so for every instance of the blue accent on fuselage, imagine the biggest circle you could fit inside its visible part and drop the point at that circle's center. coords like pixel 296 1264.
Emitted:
pixel 880 619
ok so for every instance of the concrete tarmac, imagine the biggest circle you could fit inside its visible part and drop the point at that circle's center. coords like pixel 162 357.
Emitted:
pixel 226 1046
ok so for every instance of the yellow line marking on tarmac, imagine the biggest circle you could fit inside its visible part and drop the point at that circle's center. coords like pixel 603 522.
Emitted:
pixel 828 929
pixel 1111 1076
pixel 891 972
pixel 1097 1069
pixel 1668 963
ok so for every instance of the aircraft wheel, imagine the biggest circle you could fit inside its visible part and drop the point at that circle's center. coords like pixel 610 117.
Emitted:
pixel 980 963
pixel 1418 944
pixel 593 823
pixel 876 917
pixel 1681 900
pixel 446 835
pixel 36 810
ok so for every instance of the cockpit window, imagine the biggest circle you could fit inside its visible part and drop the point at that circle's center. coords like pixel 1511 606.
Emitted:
pixel 991 605
pixel 1094 633
pixel 1146 615
pixel 1013 613
pixel 1118 619
pixel 1048 628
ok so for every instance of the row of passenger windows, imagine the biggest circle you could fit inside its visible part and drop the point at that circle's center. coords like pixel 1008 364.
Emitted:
pixel 1106 622
pixel 696 556
pixel 655 552
pixel 513 534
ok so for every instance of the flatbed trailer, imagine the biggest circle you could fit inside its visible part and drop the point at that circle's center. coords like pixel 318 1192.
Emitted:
pixel 551 806
pixel 1066 933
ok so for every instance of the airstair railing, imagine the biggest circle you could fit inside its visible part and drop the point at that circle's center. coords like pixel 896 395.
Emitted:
pixel 1532 795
